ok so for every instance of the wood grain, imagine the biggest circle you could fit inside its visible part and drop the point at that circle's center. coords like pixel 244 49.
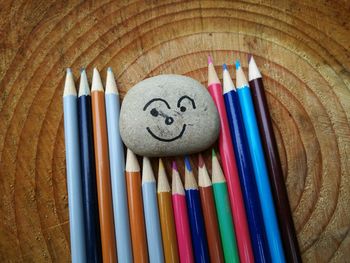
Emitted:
pixel 302 48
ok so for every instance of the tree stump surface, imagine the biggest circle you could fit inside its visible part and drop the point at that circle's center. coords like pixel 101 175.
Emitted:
pixel 301 47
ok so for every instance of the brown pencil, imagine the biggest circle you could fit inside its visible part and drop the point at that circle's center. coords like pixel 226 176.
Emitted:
pixel 137 220
pixel 166 215
pixel 103 179
pixel 209 213
pixel 273 162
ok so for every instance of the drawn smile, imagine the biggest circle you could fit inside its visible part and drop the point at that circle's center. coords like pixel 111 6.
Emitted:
pixel 167 140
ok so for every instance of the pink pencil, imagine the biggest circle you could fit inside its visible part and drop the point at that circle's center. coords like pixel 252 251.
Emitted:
pixel 181 218
pixel 230 168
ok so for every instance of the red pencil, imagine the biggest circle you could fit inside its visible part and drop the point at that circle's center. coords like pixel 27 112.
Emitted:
pixel 230 168
pixel 181 218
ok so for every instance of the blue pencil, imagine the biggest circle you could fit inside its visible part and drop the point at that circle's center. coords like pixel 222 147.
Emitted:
pixel 117 168
pixel 150 207
pixel 245 170
pixel 195 215
pixel 87 160
pixel 75 201
pixel 260 169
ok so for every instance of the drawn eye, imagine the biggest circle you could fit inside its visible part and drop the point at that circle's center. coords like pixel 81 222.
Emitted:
pixel 154 112
pixel 183 109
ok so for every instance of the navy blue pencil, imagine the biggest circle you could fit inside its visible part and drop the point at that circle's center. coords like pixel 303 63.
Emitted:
pixel 245 170
pixel 87 160
pixel 195 214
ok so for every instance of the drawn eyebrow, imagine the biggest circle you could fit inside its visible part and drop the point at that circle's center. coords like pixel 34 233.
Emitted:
pixel 186 97
pixel 153 100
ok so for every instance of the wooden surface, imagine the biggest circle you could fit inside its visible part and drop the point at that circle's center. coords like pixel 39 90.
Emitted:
pixel 302 48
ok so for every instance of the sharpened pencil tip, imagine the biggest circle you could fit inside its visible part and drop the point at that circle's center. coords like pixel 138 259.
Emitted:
pixel 188 163
pixel 210 61
pixel 238 64
pixel 224 67
pixel 249 57
pixel 213 153
pixel 200 161
pixel 69 70
pixel 174 166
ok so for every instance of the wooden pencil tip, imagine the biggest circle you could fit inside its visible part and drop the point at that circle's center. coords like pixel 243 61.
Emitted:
pixel 217 174
pixel 238 64
pixel 147 171
pixel 188 163
pixel 111 85
pixel 203 176
pixel 200 160
pixel 249 57
pixel 96 81
pixel 132 165
pixel 253 70
pixel 177 186
pixel 210 61
pixel 224 67
pixel 174 166
pixel 213 153
pixel 227 82
pixel 163 184
pixel 84 89
pixel 69 86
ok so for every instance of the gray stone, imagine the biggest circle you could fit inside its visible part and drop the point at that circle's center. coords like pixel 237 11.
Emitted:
pixel 168 115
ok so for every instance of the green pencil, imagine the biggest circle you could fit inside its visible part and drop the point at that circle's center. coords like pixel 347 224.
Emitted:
pixel 223 211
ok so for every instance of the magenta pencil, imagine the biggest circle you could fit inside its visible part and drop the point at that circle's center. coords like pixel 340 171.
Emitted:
pixel 230 168
pixel 181 218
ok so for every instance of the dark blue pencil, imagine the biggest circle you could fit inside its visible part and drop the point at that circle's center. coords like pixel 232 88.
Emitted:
pixel 245 170
pixel 87 160
pixel 195 214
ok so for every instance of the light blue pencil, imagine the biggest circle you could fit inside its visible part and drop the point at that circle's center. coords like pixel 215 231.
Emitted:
pixel 150 205
pixel 117 168
pixel 259 166
pixel 75 201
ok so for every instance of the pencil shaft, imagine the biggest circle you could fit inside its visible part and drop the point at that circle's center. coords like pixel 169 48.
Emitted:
pixel 153 230
pixel 75 202
pixel 195 215
pixel 225 223
pixel 137 220
pixel 103 177
pixel 211 224
pixel 231 174
pixel 89 189
pixel 278 186
pixel 117 166
pixel 261 176
pixel 166 214
pixel 247 179
pixel 182 228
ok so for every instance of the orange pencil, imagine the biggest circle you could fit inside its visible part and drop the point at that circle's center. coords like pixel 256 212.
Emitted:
pixel 103 179
pixel 166 215
pixel 137 220
pixel 209 213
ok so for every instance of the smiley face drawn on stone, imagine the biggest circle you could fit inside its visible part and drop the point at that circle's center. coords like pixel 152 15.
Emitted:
pixel 168 115
pixel 168 120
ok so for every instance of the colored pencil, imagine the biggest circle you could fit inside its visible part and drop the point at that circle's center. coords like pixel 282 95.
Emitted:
pixel 137 221
pixel 150 204
pixel 74 188
pixel 245 171
pixel 278 186
pixel 171 253
pixel 195 215
pixel 87 160
pixel 223 211
pixel 117 166
pixel 209 213
pixel 260 170
pixel 181 218
pixel 102 169
pixel 230 168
